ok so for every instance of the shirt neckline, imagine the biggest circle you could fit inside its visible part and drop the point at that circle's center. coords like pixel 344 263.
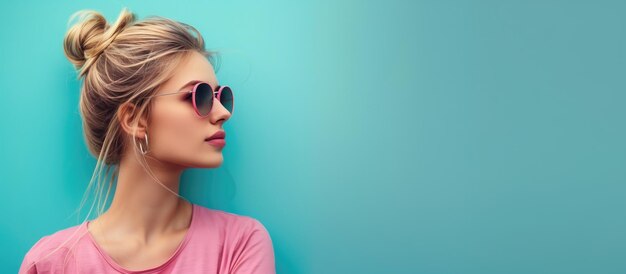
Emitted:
pixel 180 247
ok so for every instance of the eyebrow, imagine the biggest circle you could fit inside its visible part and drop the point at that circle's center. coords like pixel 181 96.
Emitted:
pixel 195 82
pixel 189 83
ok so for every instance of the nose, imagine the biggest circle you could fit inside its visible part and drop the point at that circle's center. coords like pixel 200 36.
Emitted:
pixel 218 112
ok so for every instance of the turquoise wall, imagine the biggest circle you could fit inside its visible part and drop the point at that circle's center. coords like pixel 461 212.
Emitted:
pixel 370 136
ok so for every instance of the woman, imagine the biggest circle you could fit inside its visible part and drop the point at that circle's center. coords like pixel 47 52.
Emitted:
pixel 151 107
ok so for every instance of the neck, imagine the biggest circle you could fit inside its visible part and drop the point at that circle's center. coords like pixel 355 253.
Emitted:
pixel 142 207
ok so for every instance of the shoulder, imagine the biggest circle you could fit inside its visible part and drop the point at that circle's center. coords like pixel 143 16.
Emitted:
pixel 247 238
pixel 232 227
pixel 228 219
pixel 49 248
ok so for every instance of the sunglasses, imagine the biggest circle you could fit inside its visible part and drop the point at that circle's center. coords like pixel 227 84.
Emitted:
pixel 202 98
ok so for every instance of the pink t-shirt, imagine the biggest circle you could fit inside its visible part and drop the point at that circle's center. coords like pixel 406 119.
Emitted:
pixel 216 242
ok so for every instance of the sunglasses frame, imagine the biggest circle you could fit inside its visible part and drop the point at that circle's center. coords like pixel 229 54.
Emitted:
pixel 216 94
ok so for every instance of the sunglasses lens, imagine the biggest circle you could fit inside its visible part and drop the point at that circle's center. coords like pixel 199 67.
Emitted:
pixel 204 99
pixel 226 99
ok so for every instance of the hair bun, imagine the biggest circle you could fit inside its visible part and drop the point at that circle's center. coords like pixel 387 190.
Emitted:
pixel 91 35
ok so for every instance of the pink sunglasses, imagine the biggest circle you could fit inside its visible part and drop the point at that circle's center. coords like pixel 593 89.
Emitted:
pixel 202 98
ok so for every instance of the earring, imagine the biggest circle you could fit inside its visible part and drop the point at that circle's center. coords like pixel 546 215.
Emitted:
pixel 141 147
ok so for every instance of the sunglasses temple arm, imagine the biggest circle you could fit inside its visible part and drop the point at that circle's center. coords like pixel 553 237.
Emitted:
pixel 181 92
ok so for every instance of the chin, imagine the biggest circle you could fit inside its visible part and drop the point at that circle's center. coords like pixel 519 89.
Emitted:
pixel 212 162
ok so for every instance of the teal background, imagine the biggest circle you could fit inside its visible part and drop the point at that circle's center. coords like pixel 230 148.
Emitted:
pixel 370 136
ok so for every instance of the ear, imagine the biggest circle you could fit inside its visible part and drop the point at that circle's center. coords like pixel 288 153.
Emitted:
pixel 125 115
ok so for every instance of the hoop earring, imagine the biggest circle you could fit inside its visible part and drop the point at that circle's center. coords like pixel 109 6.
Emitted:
pixel 141 147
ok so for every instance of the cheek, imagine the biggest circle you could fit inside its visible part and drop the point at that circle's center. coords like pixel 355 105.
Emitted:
pixel 176 128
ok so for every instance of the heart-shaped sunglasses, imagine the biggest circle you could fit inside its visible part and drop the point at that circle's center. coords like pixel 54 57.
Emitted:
pixel 202 98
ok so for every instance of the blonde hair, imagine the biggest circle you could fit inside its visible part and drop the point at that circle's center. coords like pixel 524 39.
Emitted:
pixel 122 63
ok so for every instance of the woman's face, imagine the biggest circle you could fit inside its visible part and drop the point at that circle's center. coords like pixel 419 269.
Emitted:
pixel 176 134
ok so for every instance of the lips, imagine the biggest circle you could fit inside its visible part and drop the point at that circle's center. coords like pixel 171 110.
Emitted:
pixel 218 135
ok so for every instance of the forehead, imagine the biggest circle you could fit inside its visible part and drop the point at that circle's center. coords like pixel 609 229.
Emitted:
pixel 193 67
